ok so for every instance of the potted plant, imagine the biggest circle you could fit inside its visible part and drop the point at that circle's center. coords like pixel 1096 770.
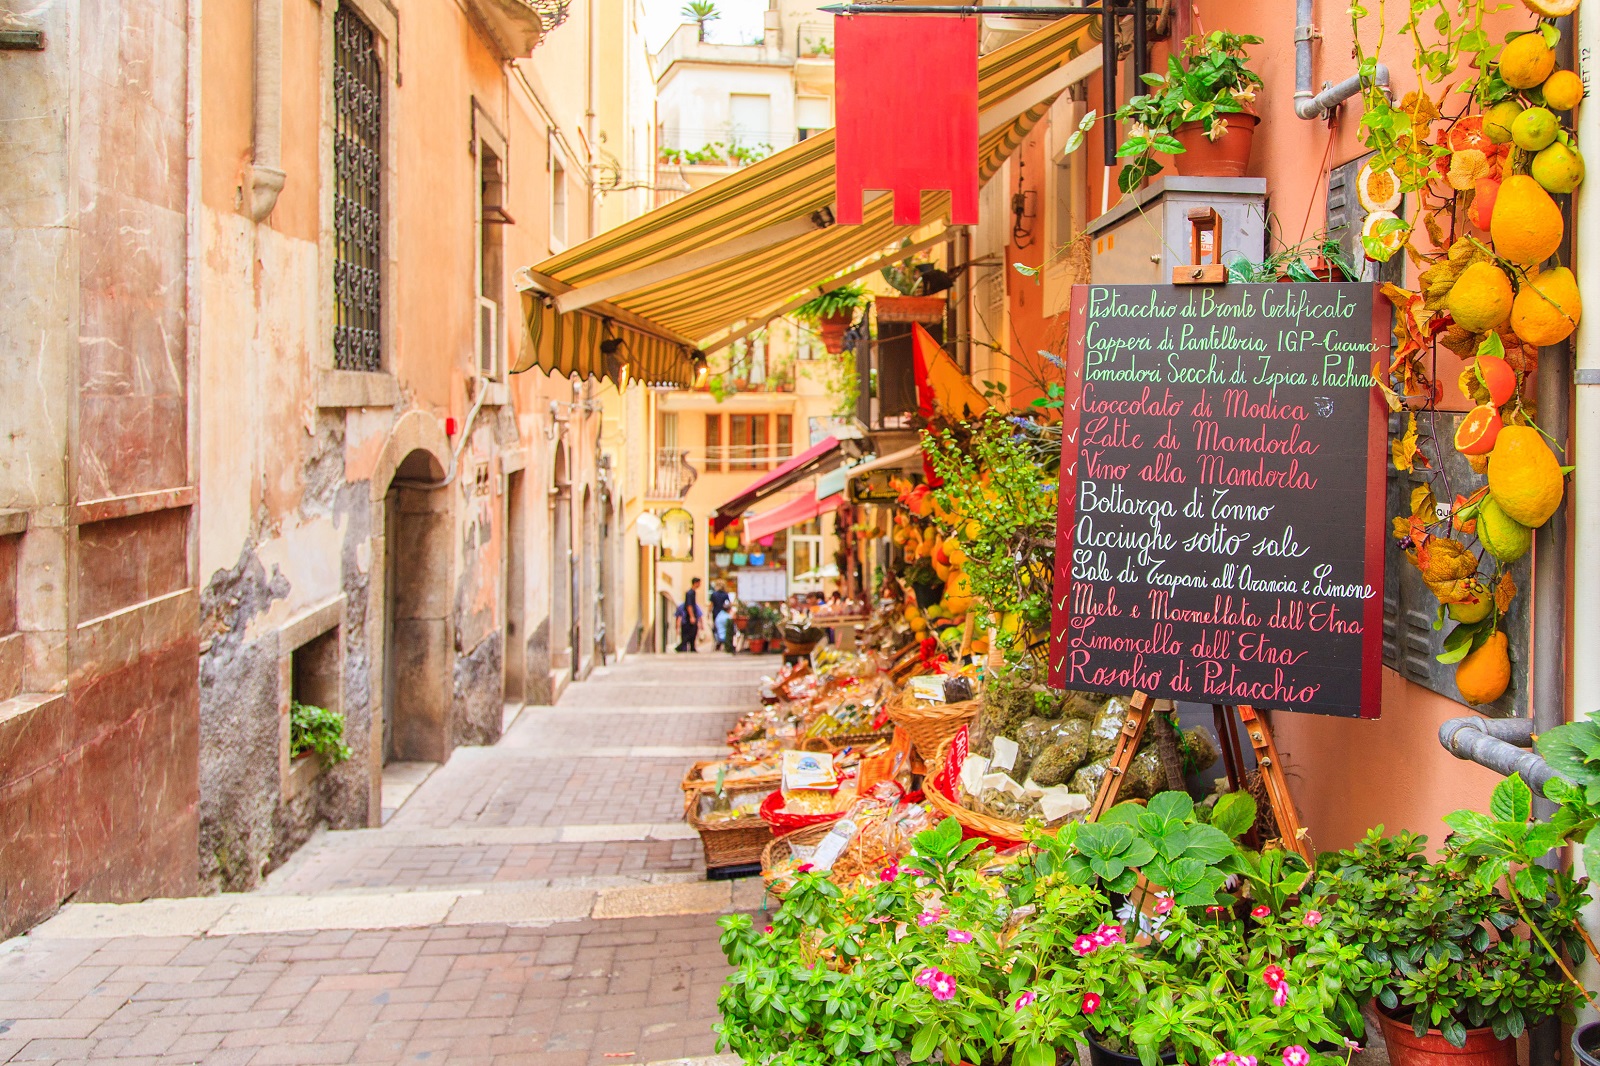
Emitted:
pixel 905 277
pixel 833 312
pixel 1196 112
pixel 1473 944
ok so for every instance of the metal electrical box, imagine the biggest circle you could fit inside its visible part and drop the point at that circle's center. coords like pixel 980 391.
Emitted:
pixel 1142 238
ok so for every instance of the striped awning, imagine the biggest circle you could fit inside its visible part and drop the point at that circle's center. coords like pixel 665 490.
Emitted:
pixel 571 344
pixel 784 190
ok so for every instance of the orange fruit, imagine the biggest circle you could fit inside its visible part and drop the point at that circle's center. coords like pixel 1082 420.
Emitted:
pixel 1524 476
pixel 1526 61
pixel 1562 90
pixel 1477 432
pixel 1498 119
pixel 1498 378
pixel 1547 307
pixel 1481 298
pixel 1482 209
pixel 1485 674
pixel 1526 226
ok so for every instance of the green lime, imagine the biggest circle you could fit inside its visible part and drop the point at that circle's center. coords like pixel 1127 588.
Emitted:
pixel 1535 129
pixel 1498 119
pixel 1558 168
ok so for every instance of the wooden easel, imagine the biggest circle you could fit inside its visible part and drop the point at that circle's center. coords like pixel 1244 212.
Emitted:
pixel 1140 709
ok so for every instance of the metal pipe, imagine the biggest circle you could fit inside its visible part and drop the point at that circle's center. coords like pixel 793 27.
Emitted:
pixel 1308 104
pixel 1499 744
pixel 266 153
pixel 1108 83
pixel 1140 46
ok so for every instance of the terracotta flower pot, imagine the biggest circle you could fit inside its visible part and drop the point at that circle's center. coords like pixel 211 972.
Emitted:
pixel 757 645
pixel 833 329
pixel 1406 1048
pixel 1226 157
pixel 924 309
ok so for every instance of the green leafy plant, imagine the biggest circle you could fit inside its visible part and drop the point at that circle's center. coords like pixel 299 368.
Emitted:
pixel 845 299
pixel 317 729
pixel 1208 82
pixel 999 499
pixel 700 12
pixel 1453 955
pixel 945 955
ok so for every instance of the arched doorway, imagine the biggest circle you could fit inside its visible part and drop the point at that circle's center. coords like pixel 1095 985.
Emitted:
pixel 417 641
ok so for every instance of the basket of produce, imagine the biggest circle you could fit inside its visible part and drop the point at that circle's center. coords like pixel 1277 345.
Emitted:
pixel 874 835
pixel 930 725
pixel 806 808
pixel 741 772
pixel 801 639
pixel 730 825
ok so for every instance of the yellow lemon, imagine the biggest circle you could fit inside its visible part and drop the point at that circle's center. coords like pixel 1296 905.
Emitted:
pixel 1535 129
pixel 1484 675
pixel 1481 298
pixel 1501 535
pixel 1476 609
pixel 1547 308
pixel 1524 477
pixel 1526 226
pixel 1526 61
pixel 1563 90
pixel 1558 168
pixel 1498 119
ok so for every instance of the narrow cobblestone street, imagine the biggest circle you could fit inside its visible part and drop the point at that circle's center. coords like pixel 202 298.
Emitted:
pixel 539 901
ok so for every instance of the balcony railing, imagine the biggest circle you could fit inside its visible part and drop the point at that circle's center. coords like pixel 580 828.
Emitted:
pixel 735 458
pixel 673 475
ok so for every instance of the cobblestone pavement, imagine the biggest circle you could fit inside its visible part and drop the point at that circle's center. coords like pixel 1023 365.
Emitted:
pixel 535 902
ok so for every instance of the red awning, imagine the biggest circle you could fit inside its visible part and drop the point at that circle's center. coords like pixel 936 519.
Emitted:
pixel 814 460
pixel 789 514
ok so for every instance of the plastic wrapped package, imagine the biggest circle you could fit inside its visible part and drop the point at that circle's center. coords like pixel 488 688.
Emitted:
pixel 1057 763
pixel 1199 750
pixel 1108 722
pixel 1145 776
pixel 1084 705
pixel 1088 776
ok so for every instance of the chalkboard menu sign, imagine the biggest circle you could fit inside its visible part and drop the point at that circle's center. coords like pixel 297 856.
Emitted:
pixel 1221 528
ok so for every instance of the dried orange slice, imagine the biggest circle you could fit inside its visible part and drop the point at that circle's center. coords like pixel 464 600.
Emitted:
pixel 1378 190
pixel 1551 9
pixel 1478 430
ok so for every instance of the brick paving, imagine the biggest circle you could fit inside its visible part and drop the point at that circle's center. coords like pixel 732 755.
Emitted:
pixel 585 992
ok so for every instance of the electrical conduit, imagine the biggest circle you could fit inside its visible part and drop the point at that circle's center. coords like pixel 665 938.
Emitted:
pixel 1308 104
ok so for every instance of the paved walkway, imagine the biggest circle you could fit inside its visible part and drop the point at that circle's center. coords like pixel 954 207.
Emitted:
pixel 535 902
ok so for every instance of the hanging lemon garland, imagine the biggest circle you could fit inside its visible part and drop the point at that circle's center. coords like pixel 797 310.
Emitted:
pixel 1484 226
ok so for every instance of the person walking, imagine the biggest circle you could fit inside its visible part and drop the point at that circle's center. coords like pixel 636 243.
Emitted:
pixel 721 619
pixel 689 617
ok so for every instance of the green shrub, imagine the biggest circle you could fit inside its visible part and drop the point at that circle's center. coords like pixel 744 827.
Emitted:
pixel 319 730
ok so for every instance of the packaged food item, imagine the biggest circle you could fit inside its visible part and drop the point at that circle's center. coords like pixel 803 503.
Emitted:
pixel 1108 722
pixel 1086 780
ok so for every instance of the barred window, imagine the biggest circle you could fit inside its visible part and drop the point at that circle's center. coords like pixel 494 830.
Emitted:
pixel 357 198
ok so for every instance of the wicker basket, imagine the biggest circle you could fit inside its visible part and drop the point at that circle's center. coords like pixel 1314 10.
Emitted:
pixel 839 741
pixel 930 725
pixel 774 852
pixel 731 843
pixel 989 826
pixel 693 783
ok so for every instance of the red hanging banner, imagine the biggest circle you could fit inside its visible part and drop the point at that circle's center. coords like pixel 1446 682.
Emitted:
pixel 907 113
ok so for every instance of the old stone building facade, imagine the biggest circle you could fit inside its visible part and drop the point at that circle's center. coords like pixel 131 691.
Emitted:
pixel 262 445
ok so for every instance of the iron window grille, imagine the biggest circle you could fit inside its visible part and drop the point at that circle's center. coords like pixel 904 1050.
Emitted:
pixel 357 199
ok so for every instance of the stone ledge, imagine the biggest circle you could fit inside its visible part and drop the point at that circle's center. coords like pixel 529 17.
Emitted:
pixel 356 388
pixel 12 521
pixel 136 503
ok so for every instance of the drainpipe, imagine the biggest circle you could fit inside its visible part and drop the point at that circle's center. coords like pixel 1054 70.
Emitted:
pixel 1585 437
pixel 266 163
pixel 1308 104
pixel 1500 744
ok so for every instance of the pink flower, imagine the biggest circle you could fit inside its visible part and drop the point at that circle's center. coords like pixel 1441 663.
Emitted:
pixel 1280 994
pixel 1312 918
pixel 1108 934
pixel 804 868
pixel 1164 905
pixel 881 919
pixel 958 936
pixel 927 918
pixel 943 986
pixel 1262 911
pixel 925 978
pixel 1295 1055
pixel 1227 1058
pixel 1351 1044
pixel 1024 1000
pixel 1213 910
pixel 1247 1060
pixel 768 929
pixel 890 872
pixel 1084 945
pixel 1273 976
pixel 1091 1003
pixel 914 872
